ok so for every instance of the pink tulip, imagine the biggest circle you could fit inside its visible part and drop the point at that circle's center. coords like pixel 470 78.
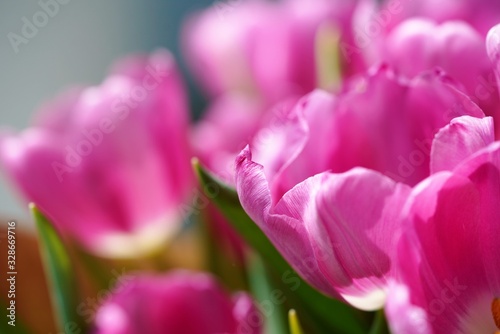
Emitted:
pixel 316 186
pixel 229 124
pixel 413 36
pixel 493 49
pixel 481 14
pixel 110 164
pixel 259 47
pixel 178 302
pixel 449 279
pixel 418 45
pixel 249 56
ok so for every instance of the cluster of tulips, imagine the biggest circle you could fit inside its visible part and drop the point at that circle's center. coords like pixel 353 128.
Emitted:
pixel 349 147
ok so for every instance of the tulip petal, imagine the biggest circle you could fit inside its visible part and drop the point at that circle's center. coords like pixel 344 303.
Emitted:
pixel 420 44
pixel 315 304
pixel 354 231
pixel 447 253
pixel 484 171
pixel 493 47
pixel 179 302
pixel 463 137
pixel 243 311
pixel 343 252
pixel 403 316
pixel 288 147
pixel 283 231
pixel 324 132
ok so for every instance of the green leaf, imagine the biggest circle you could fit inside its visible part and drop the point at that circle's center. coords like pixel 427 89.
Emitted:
pixel 379 325
pixel 226 199
pixel 328 314
pixel 60 273
pixel 262 291
pixel 223 264
pixel 293 321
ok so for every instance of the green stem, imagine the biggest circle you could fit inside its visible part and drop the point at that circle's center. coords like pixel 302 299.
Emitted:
pixel 379 325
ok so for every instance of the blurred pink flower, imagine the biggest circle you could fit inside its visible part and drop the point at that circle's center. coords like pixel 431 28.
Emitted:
pixel 481 14
pixel 414 36
pixel 449 277
pixel 418 45
pixel 110 164
pixel 249 56
pixel 316 186
pixel 493 50
pixel 261 48
pixel 178 302
pixel 227 126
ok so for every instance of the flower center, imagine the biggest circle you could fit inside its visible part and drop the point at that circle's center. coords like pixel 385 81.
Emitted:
pixel 495 310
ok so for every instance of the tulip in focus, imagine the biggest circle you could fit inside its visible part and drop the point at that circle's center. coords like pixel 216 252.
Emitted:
pixel 178 302
pixel 449 277
pixel 317 188
pixel 110 164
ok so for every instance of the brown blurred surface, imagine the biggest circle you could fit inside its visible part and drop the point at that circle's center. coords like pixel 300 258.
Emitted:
pixel 32 299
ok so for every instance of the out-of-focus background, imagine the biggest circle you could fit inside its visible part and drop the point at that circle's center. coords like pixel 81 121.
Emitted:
pixel 76 46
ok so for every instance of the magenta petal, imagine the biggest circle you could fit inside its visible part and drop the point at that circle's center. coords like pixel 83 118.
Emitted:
pixel 285 232
pixel 177 302
pixel 246 314
pixel 263 48
pixel 386 124
pixel 402 315
pixel 296 143
pixel 31 160
pixel 493 46
pixel 481 14
pixel 419 44
pixel 463 137
pixel 223 132
pixel 447 255
pixel 342 251
pixel 440 251
pixel 484 171
pixel 434 214
pixel 359 243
